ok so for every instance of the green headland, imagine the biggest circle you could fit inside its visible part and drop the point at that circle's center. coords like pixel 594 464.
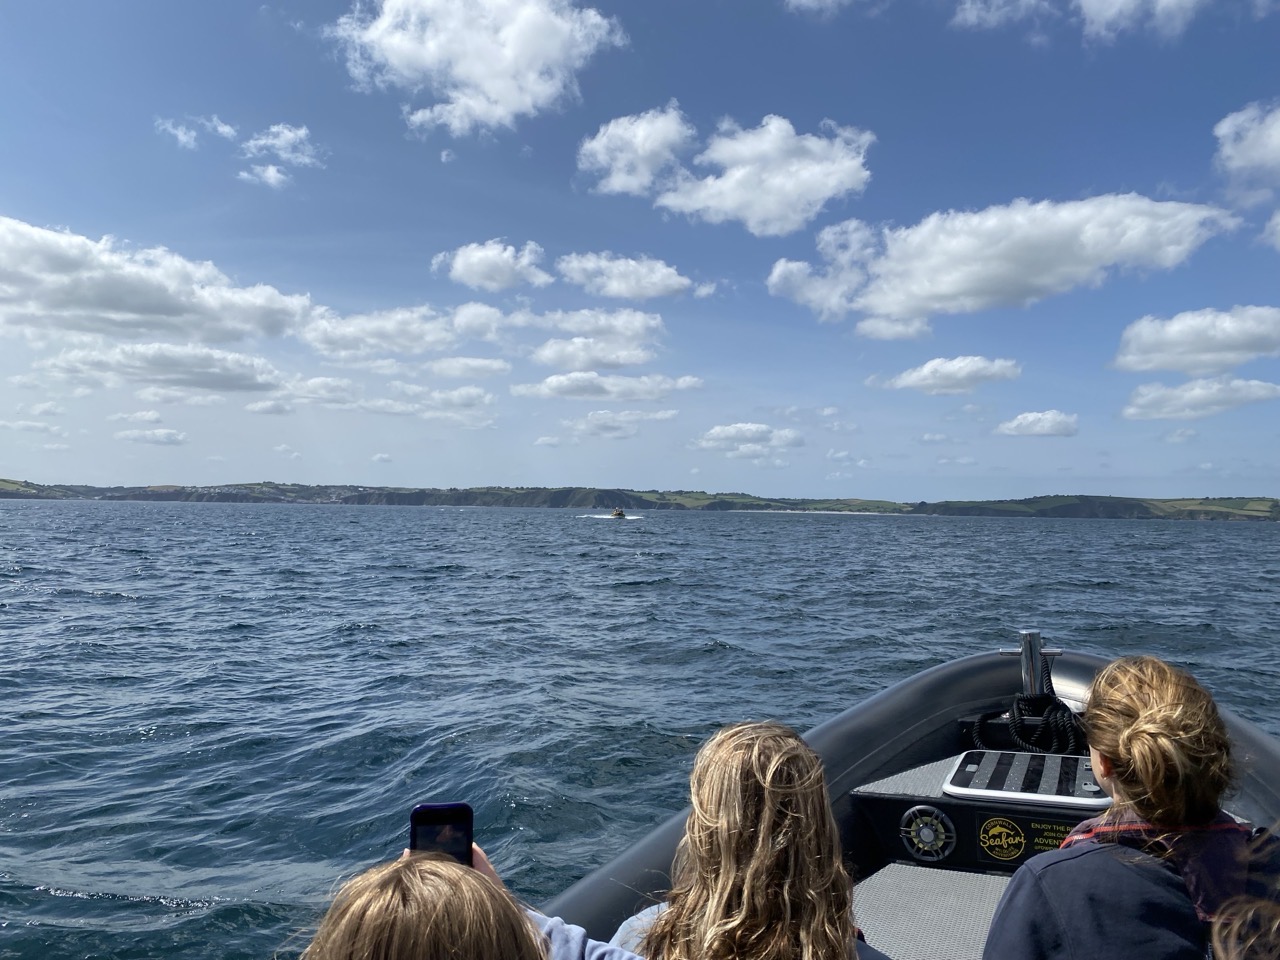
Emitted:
pixel 592 498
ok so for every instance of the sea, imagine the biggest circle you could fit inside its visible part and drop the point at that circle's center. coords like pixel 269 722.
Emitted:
pixel 212 713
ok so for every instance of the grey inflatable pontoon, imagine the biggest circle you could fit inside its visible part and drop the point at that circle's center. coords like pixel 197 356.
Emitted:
pixel 932 824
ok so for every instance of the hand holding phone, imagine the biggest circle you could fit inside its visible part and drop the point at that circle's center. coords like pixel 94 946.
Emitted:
pixel 446 827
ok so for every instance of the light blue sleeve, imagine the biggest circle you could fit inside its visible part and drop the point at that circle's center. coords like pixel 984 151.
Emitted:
pixel 567 942
pixel 634 928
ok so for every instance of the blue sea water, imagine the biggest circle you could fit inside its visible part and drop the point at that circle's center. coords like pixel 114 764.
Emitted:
pixel 209 713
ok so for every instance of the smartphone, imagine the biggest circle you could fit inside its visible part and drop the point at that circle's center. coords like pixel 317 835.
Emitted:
pixel 446 827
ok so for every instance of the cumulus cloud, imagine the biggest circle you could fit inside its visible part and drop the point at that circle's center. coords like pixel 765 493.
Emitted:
pixel 403 330
pixel 276 408
pixel 1196 398
pixel 989 14
pixel 487 62
pixel 815 6
pixel 33 426
pixel 1046 423
pixel 583 353
pixel 956 375
pixel 469 406
pixel 185 136
pixel 174 395
pixel 160 438
pixel 1101 20
pixel 493 265
pixel 217 127
pixel 56 280
pixel 547 442
pixel 381 458
pixel 1249 149
pixel 141 416
pixel 773 181
pixel 48 408
pixel 615 426
pixel 287 143
pixel 589 385
pixel 633 152
pixel 1271 234
pixel 605 275
pixel 467 368
pixel 1013 255
pixel 1201 342
pixel 757 442
pixel 269 175
pixel 285 450
pixel 170 365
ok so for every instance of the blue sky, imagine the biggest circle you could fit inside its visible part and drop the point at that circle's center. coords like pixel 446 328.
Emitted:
pixel 806 248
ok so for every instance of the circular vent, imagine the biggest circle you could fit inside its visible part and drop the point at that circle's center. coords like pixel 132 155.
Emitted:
pixel 927 833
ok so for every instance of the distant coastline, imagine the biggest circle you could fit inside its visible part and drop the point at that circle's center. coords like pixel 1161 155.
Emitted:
pixel 593 498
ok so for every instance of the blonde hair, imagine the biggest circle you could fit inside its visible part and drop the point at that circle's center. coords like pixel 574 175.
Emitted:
pixel 758 874
pixel 1249 930
pixel 1168 746
pixel 424 907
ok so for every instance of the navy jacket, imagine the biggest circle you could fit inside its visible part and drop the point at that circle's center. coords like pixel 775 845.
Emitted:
pixel 1096 900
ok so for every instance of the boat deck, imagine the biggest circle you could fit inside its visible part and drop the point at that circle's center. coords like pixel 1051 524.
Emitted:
pixel 921 913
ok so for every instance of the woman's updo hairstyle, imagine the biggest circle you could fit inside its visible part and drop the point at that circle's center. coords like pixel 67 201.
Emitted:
pixel 1167 744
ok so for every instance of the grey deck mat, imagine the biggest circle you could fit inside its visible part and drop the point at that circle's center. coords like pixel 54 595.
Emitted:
pixel 920 913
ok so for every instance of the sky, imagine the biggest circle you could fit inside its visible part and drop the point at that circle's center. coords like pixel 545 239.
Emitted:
pixel 888 249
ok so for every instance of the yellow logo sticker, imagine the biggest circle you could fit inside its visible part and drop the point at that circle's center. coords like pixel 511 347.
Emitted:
pixel 1002 839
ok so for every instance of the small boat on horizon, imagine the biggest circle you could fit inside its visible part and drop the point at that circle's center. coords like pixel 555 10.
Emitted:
pixel 618 514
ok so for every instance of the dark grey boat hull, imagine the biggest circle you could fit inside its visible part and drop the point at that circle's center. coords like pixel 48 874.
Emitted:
pixel 914 722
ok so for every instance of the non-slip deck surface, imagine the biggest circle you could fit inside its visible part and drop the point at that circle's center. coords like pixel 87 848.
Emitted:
pixel 916 913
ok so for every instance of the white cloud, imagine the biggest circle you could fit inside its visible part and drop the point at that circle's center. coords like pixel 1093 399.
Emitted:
pixel 381 458
pixel 589 385
pixel 488 62
pixel 1046 423
pixel 547 442
pixel 161 438
pixel 329 391
pixel 141 416
pixel 467 368
pixel 55 280
pixel 270 407
pixel 956 375
pixel 958 461
pixel 217 127
pixel 1014 255
pixel 632 152
pixel 934 438
pixel 757 442
pixel 33 426
pixel 773 181
pixel 287 451
pixel 167 365
pixel 615 426
pixel 185 136
pixel 583 353
pixel 48 408
pixel 403 330
pixel 1196 398
pixel 1105 19
pixel 605 275
pixel 838 455
pixel 815 6
pixel 1201 341
pixel 988 14
pixel 493 265
pixel 269 175
pixel 56 447
pixel 447 156
pixel 708 289
pixel 1249 149
pixel 1181 435
pixel 288 144
pixel 1271 234
pixel 468 406
pixel 191 398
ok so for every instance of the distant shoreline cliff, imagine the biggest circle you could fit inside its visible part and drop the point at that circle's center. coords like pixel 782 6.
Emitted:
pixel 592 498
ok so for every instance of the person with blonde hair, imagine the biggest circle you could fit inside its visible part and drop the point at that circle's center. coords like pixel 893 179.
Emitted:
pixel 758 874
pixel 427 906
pixel 1146 878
